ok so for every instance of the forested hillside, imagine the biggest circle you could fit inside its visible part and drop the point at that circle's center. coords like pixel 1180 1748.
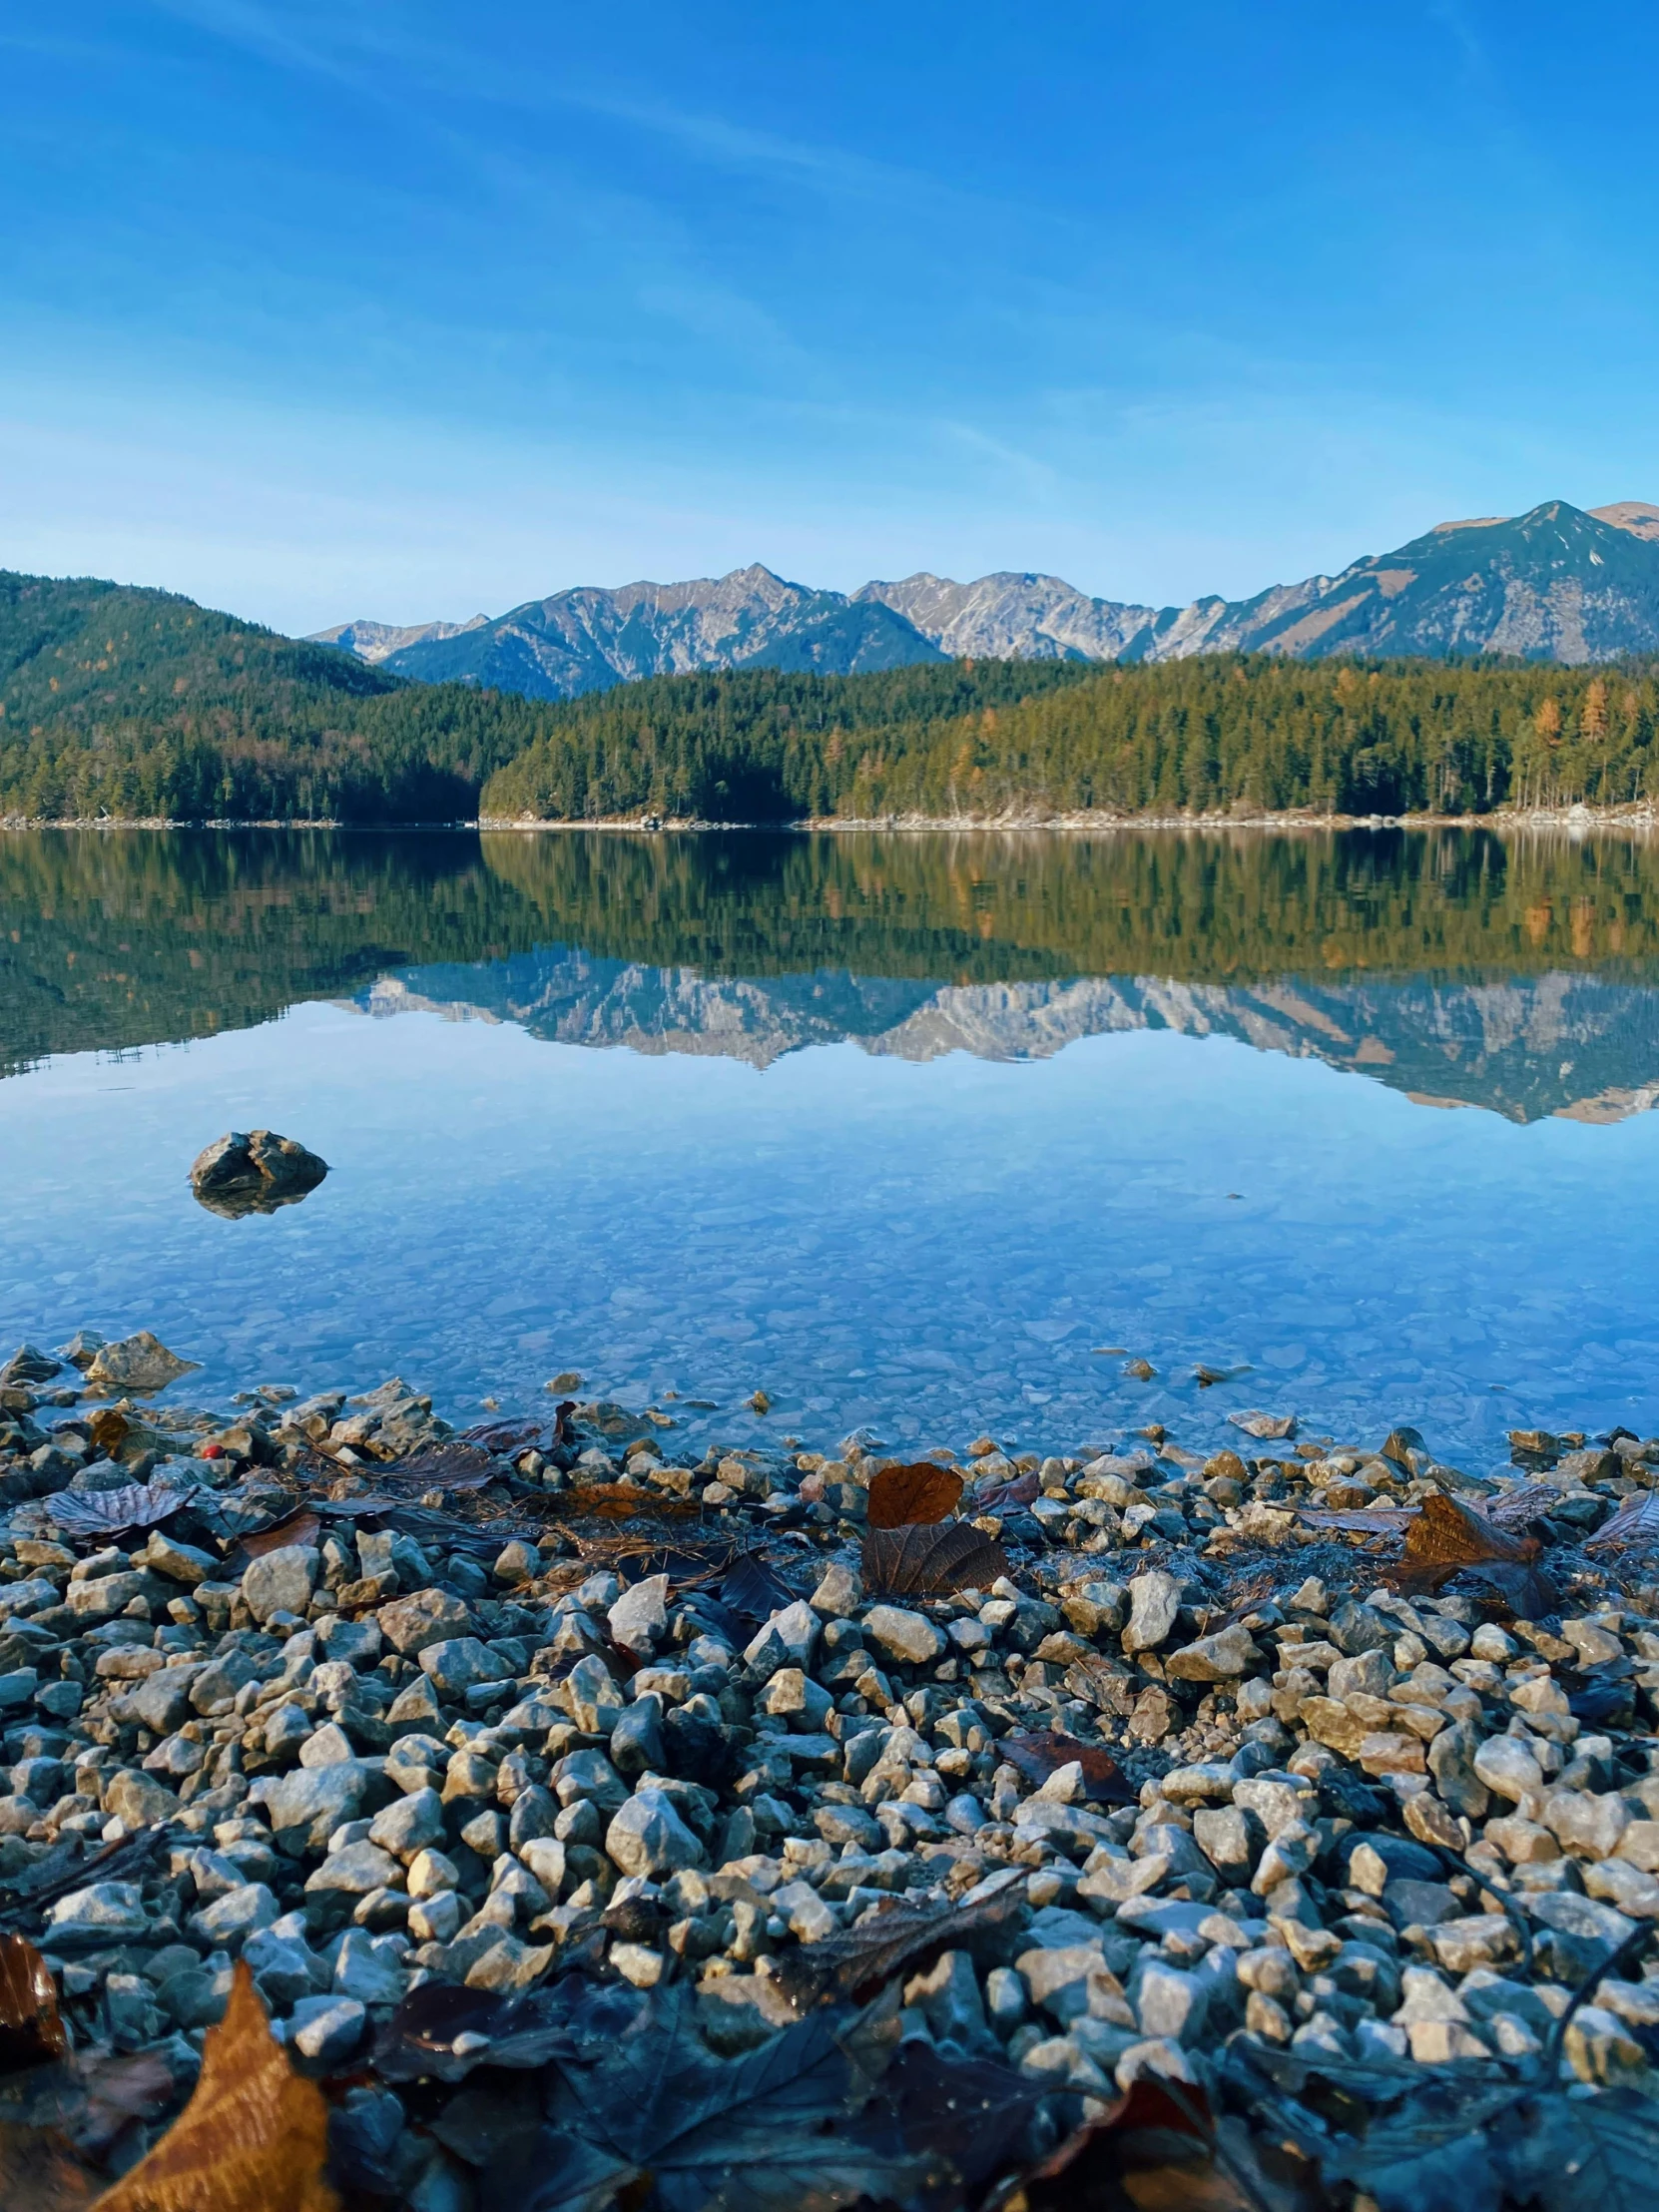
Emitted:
pixel 1231 733
pixel 128 703
pixel 137 704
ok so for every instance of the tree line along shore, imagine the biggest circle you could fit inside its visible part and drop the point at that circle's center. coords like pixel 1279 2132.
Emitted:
pixel 140 706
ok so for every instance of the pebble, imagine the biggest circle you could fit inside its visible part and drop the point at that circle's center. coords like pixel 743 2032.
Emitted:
pixel 379 1760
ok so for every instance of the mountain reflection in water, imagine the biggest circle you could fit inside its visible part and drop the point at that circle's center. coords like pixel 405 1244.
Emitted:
pixel 1454 966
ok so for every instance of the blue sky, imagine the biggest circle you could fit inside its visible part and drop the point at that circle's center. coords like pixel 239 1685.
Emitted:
pixel 338 308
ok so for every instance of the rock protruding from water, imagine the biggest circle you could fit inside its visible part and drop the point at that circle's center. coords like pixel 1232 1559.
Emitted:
pixel 254 1173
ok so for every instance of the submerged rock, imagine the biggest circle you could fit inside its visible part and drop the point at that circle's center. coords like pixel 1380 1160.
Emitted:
pixel 254 1173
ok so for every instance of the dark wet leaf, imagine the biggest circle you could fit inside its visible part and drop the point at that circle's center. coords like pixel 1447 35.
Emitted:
pixel 914 1496
pixel 1526 1589
pixel 752 1590
pixel 507 1439
pixel 31 2033
pixel 1604 1705
pixel 1005 1497
pixel 923 1562
pixel 1580 2154
pixel 966 2116
pixel 1040 1753
pixel 419 2043
pixel 1532 1503
pixel 904 1939
pixel 1635 1526
pixel 253 2137
pixel 108 1512
pixel 446 1466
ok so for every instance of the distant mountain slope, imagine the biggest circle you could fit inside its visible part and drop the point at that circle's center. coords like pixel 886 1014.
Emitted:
pixel 1558 583
pixel 378 641
pixel 587 639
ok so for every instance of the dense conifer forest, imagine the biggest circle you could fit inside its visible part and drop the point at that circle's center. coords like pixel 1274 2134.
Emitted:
pixel 133 705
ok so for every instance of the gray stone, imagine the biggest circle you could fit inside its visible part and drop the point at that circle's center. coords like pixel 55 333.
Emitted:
pixel 179 1562
pixel 280 1582
pixel 637 1739
pixel 1229 1840
pixel 1222 1657
pixel 328 2029
pixel 356 1869
pixel 139 1364
pixel 910 1637
pixel 285 1966
pixel 230 1920
pixel 139 1799
pixel 1452 1761
pixel 1170 2004
pixel 102 1597
pixel 1570 1914
pixel 113 1909
pixel 161 1702
pixel 458 1663
pixel 648 1837
pixel 1154 1601
pixel 544 1856
pixel 947 1998
pixel 590 1696
pixel 214 1691
pixel 639 1618
pixel 1588 1824
pixel 356 1643
pixel 840 1592
pixel 425 1617
pixel 410 1823
pixel 314 1800
pixel 1508 1768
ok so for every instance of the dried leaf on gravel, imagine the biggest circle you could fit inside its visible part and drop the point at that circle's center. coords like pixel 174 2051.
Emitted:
pixel 622 1501
pixel 1515 1508
pixel 1040 1753
pixel 752 1589
pixel 902 1940
pixel 108 1512
pixel 253 2137
pixel 1359 1520
pixel 914 1496
pixel 928 1562
pixel 30 2030
pixel 1004 1497
pixel 441 2031
pixel 1634 1526
pixel 1447 1537
pixel 301 1528
pixel 966 2116
pixel 449 1467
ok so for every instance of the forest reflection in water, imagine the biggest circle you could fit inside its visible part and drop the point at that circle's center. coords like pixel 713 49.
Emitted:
pixel 1453 965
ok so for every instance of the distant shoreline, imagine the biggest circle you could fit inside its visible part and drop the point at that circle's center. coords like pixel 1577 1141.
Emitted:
pixel 1642 816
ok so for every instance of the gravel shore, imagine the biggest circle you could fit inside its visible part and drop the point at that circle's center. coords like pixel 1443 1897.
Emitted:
pixel 1227 1774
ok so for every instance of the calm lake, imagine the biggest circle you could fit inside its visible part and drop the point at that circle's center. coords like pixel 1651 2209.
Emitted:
pixel 899 1129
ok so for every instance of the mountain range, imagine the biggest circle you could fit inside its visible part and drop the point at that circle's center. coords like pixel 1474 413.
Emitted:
pixel 1558 583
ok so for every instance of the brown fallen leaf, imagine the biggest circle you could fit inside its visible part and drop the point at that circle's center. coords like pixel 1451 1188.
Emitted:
pixel 621 1501
pixel 914 1496
pixel 30 2030
pixel 904 1939
pixel 108 1430
pixel 1040 1753
pixel 1634 1526
pixel 253 2137
pixel 41 2172
pixel 923 1562
pixel 301 1529
pixel 1447 1537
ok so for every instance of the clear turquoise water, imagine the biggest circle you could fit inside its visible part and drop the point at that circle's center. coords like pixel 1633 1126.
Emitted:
pixel 877 1225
